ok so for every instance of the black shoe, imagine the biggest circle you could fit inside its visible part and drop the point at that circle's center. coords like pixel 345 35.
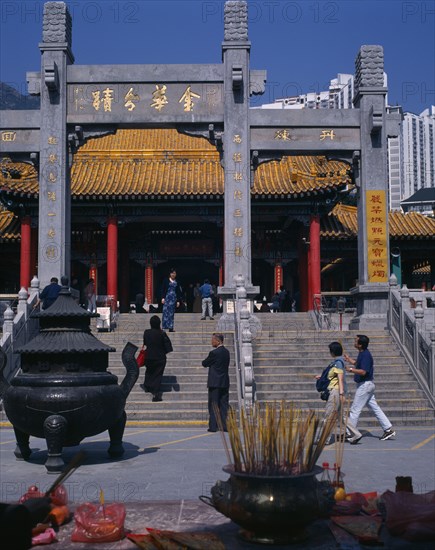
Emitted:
pixel 157 398
pixel 354 440
pixel 210 430
pixel 387 434
pixel 171 330
pixel 202 318
pixel 211 318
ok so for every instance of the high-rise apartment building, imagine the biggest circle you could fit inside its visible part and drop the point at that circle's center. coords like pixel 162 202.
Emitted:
pixel 418 150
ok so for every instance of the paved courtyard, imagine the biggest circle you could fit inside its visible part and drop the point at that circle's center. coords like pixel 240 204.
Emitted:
pixel 164 470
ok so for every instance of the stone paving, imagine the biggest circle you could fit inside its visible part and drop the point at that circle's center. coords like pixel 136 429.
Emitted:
pixel 164 470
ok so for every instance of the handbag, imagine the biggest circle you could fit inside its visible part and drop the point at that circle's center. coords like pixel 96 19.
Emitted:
pixel 142 357
pixel 167 344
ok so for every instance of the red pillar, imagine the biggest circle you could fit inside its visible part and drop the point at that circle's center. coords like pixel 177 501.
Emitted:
pixel 112 258
pixel 25 252
pixel 149 283
pixel 278 278
pixel 314 263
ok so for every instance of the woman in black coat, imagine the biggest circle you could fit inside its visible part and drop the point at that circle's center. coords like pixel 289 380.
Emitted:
pixel 155 363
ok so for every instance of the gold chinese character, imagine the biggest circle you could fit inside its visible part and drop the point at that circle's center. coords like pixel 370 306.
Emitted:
pixel 51 214
pixel 52 140
pixel 9 136
pixel 97 100
pixel 51 233
pixel 51 252
pixel 52 158
pixel 78 101
pixel 283 134
pixel 237 157
pixel 107 99
pixel 51 195
pixel 238 232
pixel 237 138
pixel 238 250
pixel 159 98
pixel 327 133
pixel 52 177
pixel 130 96
pixel 238 176
pixel 237 213
pixel 187 98
pixel 238 194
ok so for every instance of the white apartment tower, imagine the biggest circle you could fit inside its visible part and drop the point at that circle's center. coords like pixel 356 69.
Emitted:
pixel 418 148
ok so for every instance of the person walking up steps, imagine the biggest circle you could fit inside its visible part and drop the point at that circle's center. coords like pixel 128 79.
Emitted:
pixel 206 292
pixel 365 391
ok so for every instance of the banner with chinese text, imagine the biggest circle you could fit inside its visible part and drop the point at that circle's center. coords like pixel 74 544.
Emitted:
pixel 377 237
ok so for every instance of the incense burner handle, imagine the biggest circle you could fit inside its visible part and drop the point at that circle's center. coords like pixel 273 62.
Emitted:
pixel 130 365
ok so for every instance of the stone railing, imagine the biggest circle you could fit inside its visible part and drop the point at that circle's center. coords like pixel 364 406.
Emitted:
pixel 412 324
pixel 247 326
pixel 19 328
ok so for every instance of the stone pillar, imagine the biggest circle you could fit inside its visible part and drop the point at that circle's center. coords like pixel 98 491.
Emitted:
pixel 25 252
pixel 236 145
pixel 371 294
pixel 34 251
pixel 112 257
pixel 314 263
pixel 54 180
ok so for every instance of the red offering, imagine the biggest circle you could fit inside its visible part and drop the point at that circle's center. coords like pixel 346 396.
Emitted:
pixel 99 523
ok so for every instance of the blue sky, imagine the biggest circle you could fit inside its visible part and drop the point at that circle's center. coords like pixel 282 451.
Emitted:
pixel 302 44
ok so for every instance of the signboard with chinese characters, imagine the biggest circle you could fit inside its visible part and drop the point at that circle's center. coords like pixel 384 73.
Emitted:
pixel 135 102
pixel 19 140
pixel 377 236
pixel 293 138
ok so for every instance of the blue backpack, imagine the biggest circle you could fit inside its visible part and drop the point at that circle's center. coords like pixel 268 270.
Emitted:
pixel 323 382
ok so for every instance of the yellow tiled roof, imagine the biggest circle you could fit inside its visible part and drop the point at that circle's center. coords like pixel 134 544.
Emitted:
pixel 9 226
pixel 341 223
pixel 165 162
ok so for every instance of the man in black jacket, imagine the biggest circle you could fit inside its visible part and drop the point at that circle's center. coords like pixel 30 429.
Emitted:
pixel 218 381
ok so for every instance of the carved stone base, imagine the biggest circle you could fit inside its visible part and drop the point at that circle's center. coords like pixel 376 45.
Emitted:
pixel 372 307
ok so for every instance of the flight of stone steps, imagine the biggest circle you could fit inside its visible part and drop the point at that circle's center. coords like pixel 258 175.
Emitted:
pixel 185 379
pixel 287 356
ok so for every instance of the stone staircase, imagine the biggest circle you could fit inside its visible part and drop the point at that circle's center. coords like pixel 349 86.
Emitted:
pixel 185 379
pixel 288 354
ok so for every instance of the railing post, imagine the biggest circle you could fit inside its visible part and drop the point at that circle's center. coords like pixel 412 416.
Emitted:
pixel 404 304
pixel 418 330
pixel 34 289
pixel 432 361
pixel 22 302
pixel 393 286
pixel 8 325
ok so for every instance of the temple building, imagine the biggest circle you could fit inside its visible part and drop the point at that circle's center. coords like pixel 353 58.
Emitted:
pixel 146 200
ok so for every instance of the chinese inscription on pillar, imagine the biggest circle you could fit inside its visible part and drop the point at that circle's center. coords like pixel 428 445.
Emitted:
pixel 377 236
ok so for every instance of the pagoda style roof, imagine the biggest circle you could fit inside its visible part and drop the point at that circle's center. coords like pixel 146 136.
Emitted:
pixel 154 162
pixel 342 223
pixel 10 229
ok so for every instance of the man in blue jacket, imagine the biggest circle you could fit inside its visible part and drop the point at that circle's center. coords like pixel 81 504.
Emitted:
pixel 218 381
pixel 206 292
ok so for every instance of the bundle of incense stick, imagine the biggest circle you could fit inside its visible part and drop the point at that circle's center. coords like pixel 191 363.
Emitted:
pixel 276 439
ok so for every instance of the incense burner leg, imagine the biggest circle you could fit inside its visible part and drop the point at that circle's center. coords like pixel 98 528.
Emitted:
pixel 55 427
pixel 22 450
pixel 116 432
